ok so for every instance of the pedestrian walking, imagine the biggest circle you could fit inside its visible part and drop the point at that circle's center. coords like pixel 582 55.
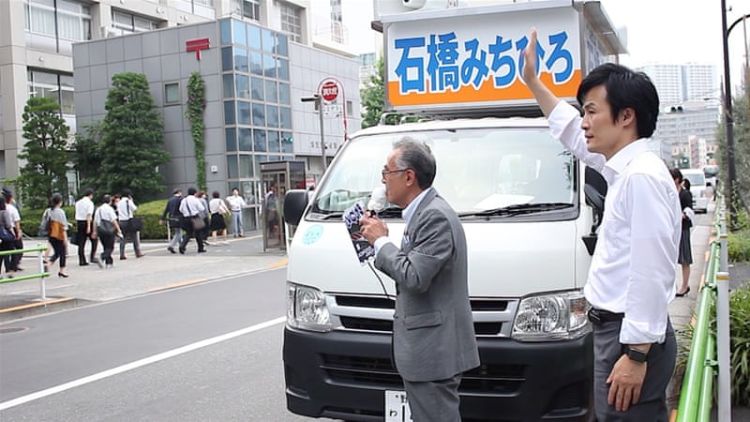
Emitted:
pixel 128 224
pixel 631 278
pixel 85 226
pixel 685 254
pixel 218 210
pixel 433 332
pixel 236 204
pixel 7 238
pixel 15 218
pixel 173 218
pixel 58 234
pixel 107 228
pixel 192 222
pixel 205 215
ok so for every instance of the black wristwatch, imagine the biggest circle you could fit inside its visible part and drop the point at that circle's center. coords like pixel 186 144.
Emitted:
pixel 636 356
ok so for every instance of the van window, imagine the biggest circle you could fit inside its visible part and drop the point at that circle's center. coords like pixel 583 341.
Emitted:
pixel 696 179
pixel 477 169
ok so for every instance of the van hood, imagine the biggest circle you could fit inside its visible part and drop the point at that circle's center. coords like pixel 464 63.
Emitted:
pixel 540 258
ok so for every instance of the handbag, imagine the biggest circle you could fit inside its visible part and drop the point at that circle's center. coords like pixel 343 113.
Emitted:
pixel 43 230
pixel 136 224
pixel 56 230
pixel 198 222
pixel 105 227
pixel 6 235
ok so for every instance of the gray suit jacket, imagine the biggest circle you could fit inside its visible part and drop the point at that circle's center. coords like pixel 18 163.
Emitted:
pixel 433 331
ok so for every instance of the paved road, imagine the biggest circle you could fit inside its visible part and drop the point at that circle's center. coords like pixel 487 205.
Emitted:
pixel 239 378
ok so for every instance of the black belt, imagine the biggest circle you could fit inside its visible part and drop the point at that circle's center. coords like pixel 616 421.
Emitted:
pixel 600 316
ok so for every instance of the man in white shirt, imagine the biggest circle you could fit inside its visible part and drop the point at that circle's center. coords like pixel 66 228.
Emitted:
pixel 631 279
pixel 236 204
pixel 125 209
pixel 191 207
pixel 85 227
pixel 15 218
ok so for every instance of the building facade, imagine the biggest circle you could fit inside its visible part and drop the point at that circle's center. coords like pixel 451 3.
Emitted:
pixel 37 37
pixel 680 83
pixel 255 79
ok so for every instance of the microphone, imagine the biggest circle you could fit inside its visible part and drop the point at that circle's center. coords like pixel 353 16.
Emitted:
pixel 377 200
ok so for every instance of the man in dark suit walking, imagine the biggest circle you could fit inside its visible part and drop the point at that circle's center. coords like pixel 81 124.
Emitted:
pixel 433 331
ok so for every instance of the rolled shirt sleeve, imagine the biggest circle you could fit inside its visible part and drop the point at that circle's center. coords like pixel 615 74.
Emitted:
pixel 565 125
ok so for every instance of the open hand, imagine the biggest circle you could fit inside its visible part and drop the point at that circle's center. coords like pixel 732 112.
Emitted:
pixel 530 59
pixel 625 383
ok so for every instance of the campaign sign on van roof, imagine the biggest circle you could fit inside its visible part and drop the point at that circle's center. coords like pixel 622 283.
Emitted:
pixel 475 59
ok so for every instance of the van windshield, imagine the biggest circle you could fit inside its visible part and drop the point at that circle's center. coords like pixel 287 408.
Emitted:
pixel 696 179
pixel 477 169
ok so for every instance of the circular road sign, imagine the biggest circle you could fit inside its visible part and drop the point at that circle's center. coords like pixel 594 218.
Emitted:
pixel 329 91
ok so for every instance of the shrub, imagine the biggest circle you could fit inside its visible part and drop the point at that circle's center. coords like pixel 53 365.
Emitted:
pixel 739 245
pixel 31 218
pixel 739 332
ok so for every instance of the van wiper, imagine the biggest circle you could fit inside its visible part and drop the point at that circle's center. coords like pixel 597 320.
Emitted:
pixel 390 212
pixel 519 209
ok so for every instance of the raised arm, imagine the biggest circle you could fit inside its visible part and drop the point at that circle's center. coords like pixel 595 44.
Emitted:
pixel 544 97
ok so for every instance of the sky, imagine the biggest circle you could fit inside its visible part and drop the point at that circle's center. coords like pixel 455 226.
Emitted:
pixel 659 31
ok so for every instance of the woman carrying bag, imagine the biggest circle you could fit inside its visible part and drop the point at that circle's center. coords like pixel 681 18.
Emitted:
pixel 105 221
pixel 58 233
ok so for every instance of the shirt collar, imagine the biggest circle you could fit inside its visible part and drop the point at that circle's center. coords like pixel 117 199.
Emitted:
pixel 410 209
pixel 617 164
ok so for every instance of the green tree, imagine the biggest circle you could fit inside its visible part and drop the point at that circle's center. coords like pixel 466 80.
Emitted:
pixel 741 115
pixel 373 98
pixel 195 108
pixel 87 155
pixel 132 144
pixel 45 152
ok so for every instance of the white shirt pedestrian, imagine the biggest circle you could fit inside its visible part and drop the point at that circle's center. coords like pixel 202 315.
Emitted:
pixel 84 208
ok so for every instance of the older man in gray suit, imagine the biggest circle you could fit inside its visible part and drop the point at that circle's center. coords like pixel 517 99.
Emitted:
pixel 433 332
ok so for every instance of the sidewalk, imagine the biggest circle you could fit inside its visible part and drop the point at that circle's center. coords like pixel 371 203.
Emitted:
pixel 157 270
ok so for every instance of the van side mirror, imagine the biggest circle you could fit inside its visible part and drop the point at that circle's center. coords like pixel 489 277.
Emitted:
pixel 295 203
pixel 595 190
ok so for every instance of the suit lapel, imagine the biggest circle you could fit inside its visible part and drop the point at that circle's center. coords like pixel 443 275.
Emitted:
pixel 408 237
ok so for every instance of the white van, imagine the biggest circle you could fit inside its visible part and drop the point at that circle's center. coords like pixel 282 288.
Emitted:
pixel 697 188
pixel 520 196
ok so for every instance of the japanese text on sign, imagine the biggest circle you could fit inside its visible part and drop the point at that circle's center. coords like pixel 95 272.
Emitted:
pixel 452 63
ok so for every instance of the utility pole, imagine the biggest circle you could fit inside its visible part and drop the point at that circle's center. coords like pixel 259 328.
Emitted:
pixel 318 100
pixel 728 119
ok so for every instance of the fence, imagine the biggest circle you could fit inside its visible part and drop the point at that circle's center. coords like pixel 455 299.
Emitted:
pixel 709 351
pixel 41 275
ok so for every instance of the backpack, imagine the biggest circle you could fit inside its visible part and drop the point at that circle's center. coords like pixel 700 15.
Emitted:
pixel 44 225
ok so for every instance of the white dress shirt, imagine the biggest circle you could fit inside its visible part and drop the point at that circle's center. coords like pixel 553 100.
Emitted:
pixel 633 267
pixel 104 212
pixel 191 206
pixel 235 202
pixel 84 208
pixel 407 214
pixel 125 209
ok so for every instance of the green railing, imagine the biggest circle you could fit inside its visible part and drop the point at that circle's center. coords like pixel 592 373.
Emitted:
pixel 696 395
pixel 41 275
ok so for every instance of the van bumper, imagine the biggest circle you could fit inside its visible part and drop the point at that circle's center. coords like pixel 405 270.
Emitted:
pixel 343 375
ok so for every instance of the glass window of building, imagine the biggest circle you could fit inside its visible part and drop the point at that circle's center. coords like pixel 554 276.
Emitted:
pixel 246 139
pixel 259 137
pixel 268 40
pixel 231 135
pixel 232 166
pixel 247 8
pixel 285 117
pixel 128 23
pixel 240 60
pixel 172 93
pixel 287 144
pixel 253 36
pixel 243 86
pixel 283 66
pixel 271 91
pixel 55 25
pixel 291 21
pixel 228 85
pixel 269 66
pixel 246 166
pixel 284 96
pixel 239 32
pixel 259 115
pixel 272 116
pixel 257 85
pixel 55 86
pixel 229 118
pixel 273 141
pixel 226 59
pixel 243 112
pixel 256 63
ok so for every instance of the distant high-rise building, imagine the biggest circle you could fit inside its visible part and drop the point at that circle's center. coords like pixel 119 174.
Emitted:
pixel 679 83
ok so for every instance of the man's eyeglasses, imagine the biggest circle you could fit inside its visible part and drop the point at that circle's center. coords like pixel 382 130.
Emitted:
pixel 386 172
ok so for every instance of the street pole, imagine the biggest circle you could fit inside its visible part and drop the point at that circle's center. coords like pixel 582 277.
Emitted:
pixel 322 137
pixel 728 119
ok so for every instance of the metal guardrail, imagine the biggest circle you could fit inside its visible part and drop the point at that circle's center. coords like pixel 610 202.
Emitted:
pixel 41 275
pixel 696 395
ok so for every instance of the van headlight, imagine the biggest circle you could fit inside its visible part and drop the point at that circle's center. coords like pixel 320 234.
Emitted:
pixel 550 317
pixel 306 308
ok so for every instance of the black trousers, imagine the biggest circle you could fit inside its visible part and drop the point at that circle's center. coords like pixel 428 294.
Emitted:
pixel 15 260
pixel 187 225
pixel 82 236
pixel 59 247
pixel 108 243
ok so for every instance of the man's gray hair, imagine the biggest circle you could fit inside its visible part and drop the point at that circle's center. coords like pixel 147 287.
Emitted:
pixel 417 156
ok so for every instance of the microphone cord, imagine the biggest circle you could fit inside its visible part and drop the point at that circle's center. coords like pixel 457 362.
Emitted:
pixel 382 285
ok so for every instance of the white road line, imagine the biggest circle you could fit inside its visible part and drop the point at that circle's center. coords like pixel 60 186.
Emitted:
pixel 139 363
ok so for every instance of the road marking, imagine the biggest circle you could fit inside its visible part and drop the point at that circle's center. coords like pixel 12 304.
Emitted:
pixel 139 363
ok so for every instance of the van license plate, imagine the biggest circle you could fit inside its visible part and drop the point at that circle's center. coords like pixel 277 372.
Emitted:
pixel 396 407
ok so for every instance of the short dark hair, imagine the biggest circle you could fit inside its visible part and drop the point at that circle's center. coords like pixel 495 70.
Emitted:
pixel 192 191
pixel 88 192
pixel 625 89
pixel 127 192
pixel 56 199
pixel 676 174
pixel 106 199
pixel 176 191
pixel 216 194
pixel 417 156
